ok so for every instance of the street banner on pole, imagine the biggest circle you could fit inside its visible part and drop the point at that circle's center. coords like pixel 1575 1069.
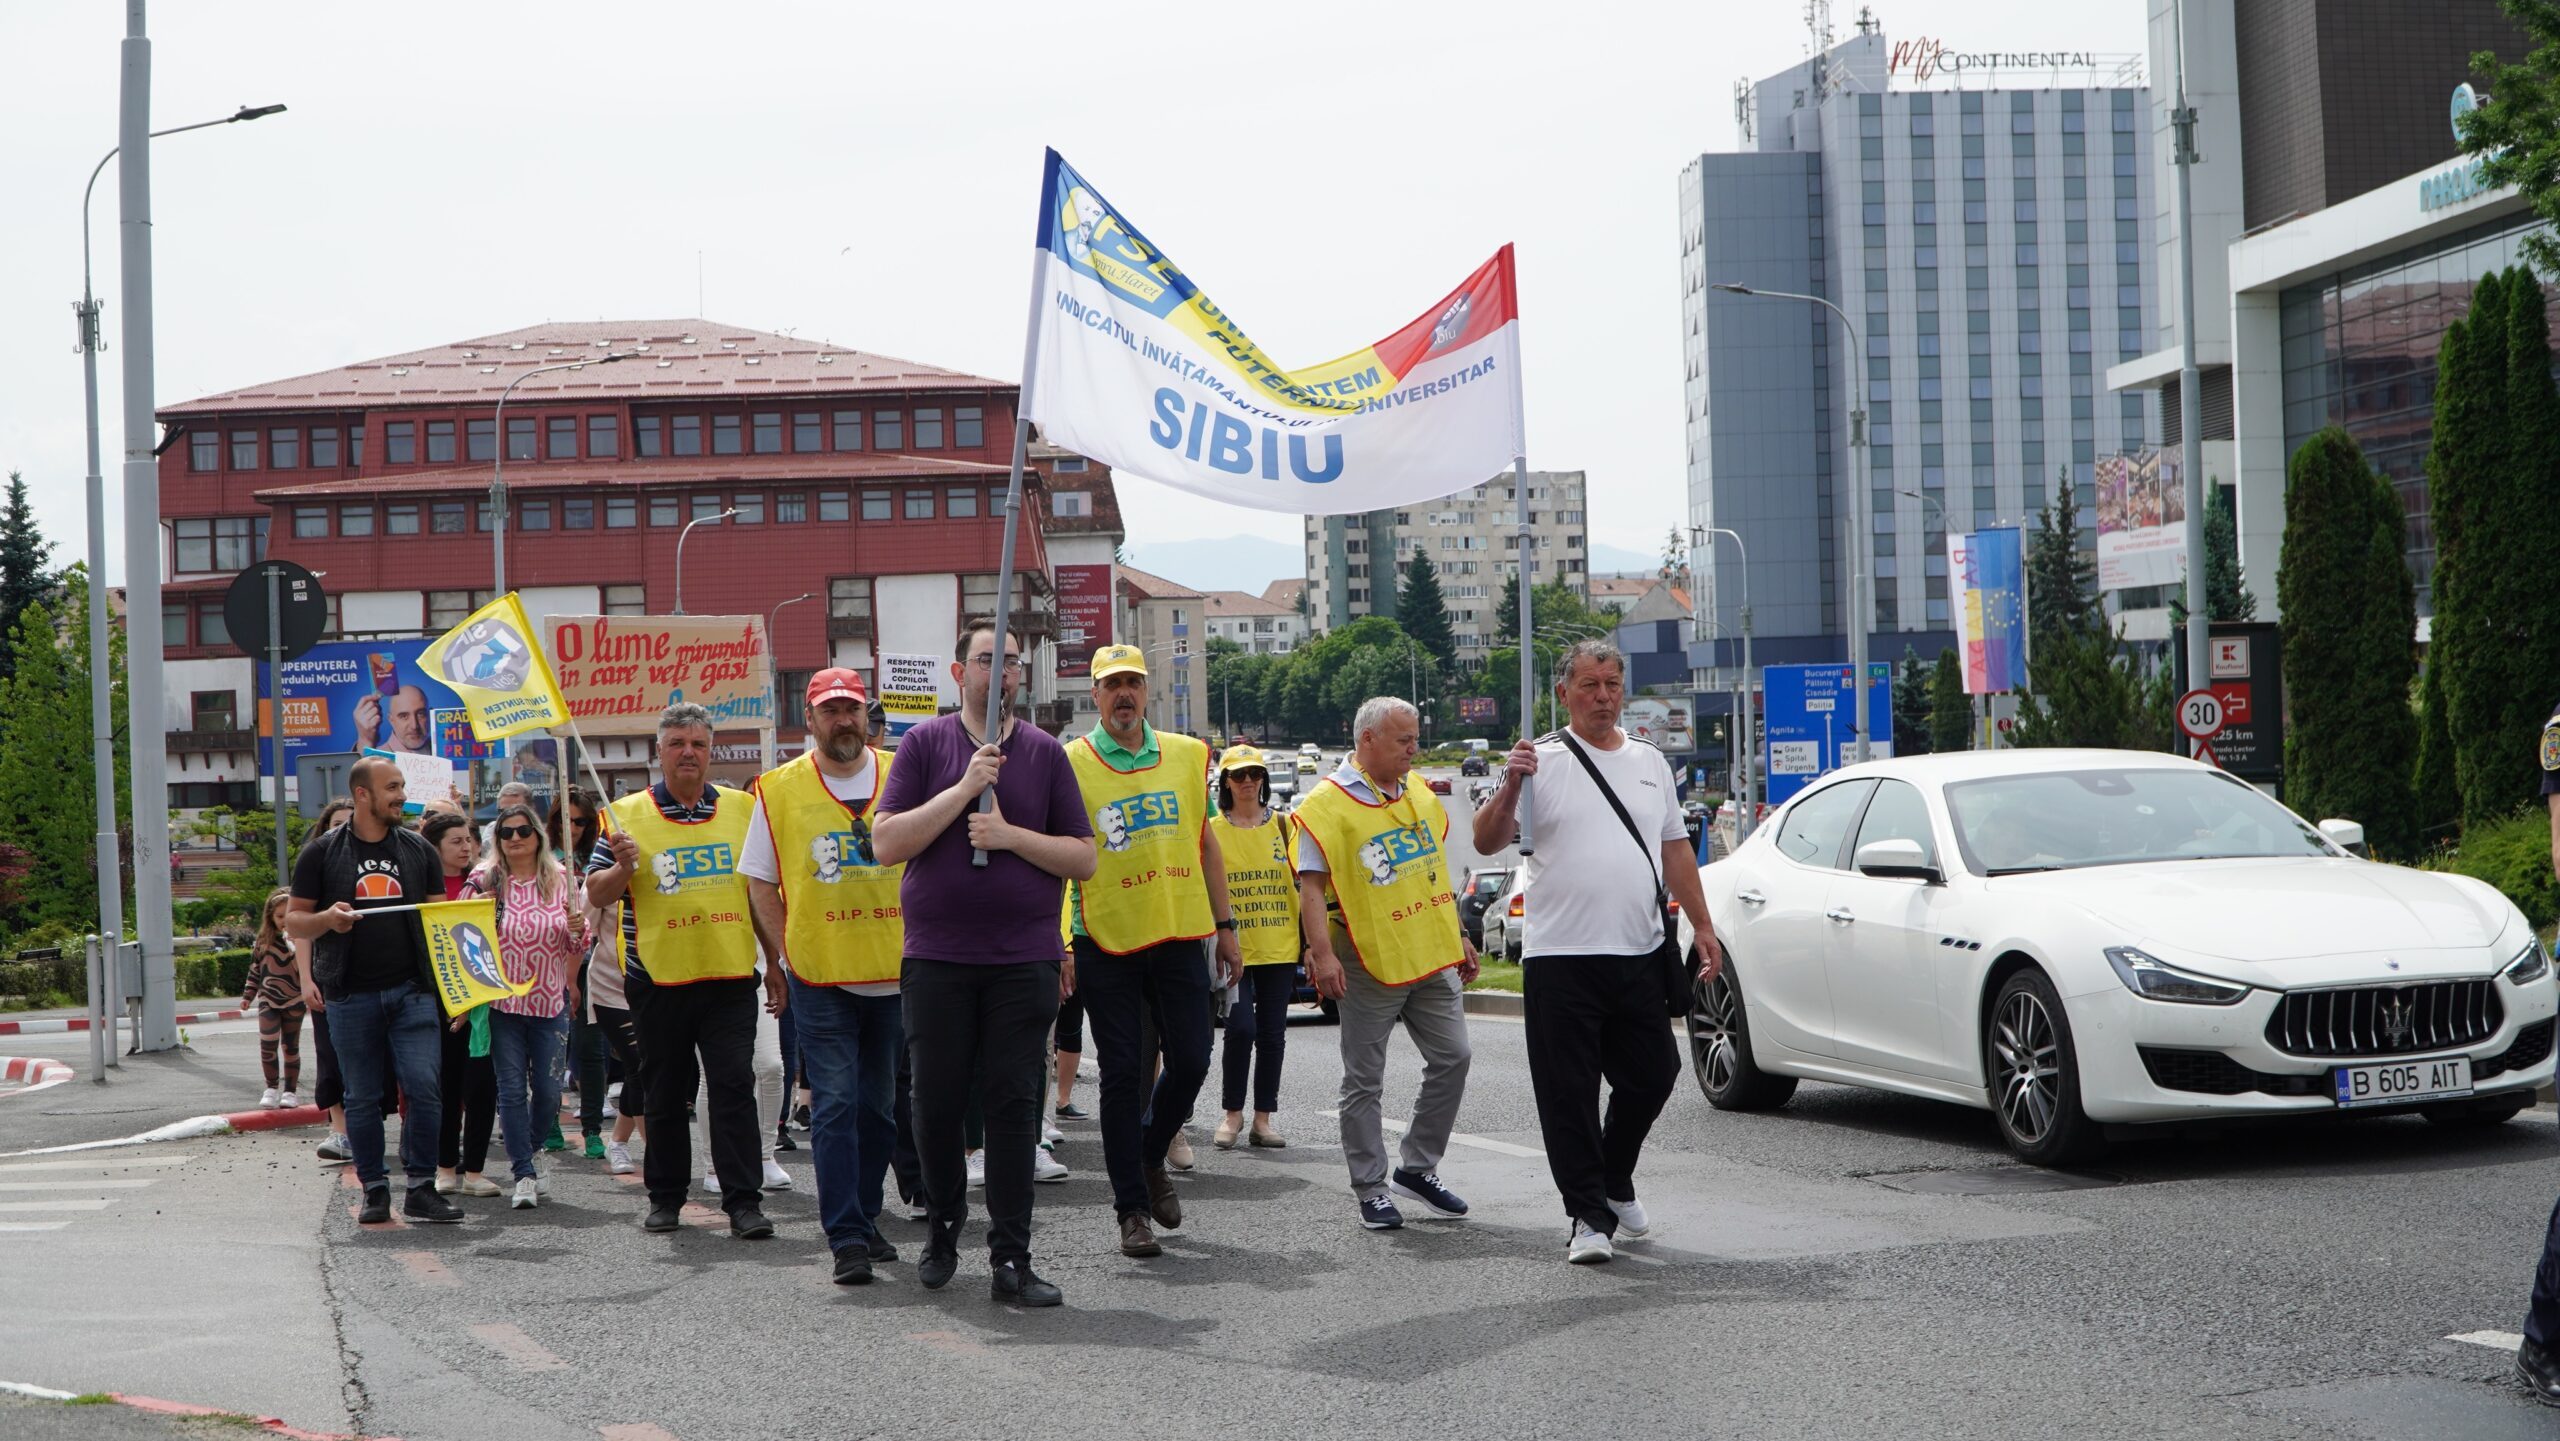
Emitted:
pixel 1140 370
pixel 618 672
pixel 1989 567
pixel 907 690
pixel 2142 520
pixel 502 676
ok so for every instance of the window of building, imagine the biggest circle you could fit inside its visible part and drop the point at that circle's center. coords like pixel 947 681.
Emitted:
pixel 448 608
pixel 808 431
pixel 534 515
pixel 324 447
pixel 284 449
pixel 849 598
pixel 644 436
pixel 707 507
pixel 626 600
pixel 768 436
pixel 835 505
pixel 400 519
pixel 749 506
pixel 604 436
pixel 919 505
pixel 929 428
pixel 791 507
pixel 577 512
pixel 875 505
pixel 447 517
pixel 440 442
pixel 212 627
pixel 665 509
pixel 969 427
pixel 213 710
pixel 621 512
pixel 400 442
pixel 173 624
pixel 355 446
pixel 727 434
pixel 1070 504
pixel 1069 464
pixel 561 437
pixel 520 438
pixel 244 450
pixel 848 430
pixel 480 439
pixel 204 450
pixel 310 522
pixel 888 430
pixel 687 434
pixel 228 542
pixel 961 505
pixel 355 520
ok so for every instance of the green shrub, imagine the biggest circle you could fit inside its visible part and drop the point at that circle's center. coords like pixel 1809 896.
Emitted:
pixel 2513 854
pixel 213 973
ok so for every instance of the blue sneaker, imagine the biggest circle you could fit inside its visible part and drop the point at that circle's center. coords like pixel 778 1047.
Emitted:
pixel 1380 1214
pixel 1439 1199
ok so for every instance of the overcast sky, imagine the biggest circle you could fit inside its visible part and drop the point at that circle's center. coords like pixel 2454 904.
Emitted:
pixel 867 174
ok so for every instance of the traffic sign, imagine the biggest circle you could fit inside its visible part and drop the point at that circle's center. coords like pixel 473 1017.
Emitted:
pixel 2200 714
pixel 1810 722
pixel 302 606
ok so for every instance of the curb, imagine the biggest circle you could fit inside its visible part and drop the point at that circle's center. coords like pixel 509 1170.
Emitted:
pixel 56 1025
pixel 198 1127
pixel 270 1425
pixel 39 1073
pixel 1495 1003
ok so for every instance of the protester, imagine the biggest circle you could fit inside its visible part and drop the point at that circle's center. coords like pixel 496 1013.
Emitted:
pixel 542 929
pixel 827 910
pixel 1159 888
pixel 2538 1353
pixel 470 1075
pixel 1262 886
pixel 982 973
pixel 571 831
pixel 608 1009
pixel 1373 888
pixel 326 1091
pixel 373 975
pixel 689 968
pixel 1592 990
pixel 765 1063
pixel 904 1166
pixel 275 987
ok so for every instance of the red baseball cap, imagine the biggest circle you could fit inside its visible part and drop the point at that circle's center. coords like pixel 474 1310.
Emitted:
pixel 834 683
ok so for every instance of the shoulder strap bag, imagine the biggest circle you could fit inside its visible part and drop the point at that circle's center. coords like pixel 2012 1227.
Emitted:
pixel 1670 966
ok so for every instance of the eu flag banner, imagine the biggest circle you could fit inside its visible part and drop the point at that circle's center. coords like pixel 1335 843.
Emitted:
pixel 462 951
pixel 1989 567
pixel 494 663
pixel 1132 365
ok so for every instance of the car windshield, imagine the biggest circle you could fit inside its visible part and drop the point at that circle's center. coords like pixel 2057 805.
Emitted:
pixel 2063 820
pixel 1489 883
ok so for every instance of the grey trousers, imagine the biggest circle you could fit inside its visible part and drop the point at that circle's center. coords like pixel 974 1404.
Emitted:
pixel 1434 1014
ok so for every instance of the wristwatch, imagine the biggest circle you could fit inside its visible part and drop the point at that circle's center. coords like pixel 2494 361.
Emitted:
pixel 1227 925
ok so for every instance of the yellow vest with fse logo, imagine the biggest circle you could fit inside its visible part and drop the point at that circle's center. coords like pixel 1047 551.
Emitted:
pixel 1149 886
pixel 1390 876
pixel 840 908
pixel 1262 885
pixel 687 895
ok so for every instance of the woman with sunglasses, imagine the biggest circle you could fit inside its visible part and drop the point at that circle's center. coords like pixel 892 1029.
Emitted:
pixel 542 929
pixel 1263 885
pixel 571 831
pixel 470 1082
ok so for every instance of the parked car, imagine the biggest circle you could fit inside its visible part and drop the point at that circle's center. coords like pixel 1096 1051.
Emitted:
pixel 1485 885
pixel 1311 756
pixel 1475 765
pixel 1284 780
pixel 1439 784
pixel 2084 939
pixel 1501 925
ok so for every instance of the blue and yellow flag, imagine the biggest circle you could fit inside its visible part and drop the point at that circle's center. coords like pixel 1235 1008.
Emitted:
pixel 495 664
pixel 462 950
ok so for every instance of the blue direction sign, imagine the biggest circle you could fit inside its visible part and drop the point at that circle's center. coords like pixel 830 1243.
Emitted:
pixel 1811 722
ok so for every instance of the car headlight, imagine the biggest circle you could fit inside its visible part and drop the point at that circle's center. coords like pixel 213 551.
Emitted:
pixel 2529 965
pixel 2153 979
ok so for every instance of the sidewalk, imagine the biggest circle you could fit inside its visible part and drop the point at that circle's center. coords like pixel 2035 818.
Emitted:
pixel 216 1073
pixel 196 1012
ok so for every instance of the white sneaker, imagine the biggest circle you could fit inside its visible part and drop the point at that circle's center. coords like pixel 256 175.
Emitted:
pixel 776 1178
pixel 1589 1247
pixel 1633 1224
pixel 917 1210
pixel 977 1169
pixel 528 1191
pixel 711 1182
pixel 267 1099
pixel 1050 1135
pixel 617 1158
pixel 1045 1167
pixel 288 1100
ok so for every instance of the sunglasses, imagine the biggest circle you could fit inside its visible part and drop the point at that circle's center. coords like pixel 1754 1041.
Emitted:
pixel 516 833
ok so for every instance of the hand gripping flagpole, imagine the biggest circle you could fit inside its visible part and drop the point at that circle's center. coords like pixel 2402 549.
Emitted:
pixel 1013 506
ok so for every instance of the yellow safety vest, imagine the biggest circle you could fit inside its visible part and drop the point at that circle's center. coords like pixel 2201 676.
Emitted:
pixel 1148 887
pixel 1262 885
pixel 690 901
pixel 840 908
pixel 1388 873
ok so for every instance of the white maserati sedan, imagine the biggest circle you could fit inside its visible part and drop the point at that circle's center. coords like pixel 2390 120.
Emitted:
pixel 2080 940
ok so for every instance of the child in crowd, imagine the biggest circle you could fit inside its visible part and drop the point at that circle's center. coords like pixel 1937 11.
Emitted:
pixel 277 992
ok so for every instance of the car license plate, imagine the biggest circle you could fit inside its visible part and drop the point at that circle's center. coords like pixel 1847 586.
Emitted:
pixel 2398 1082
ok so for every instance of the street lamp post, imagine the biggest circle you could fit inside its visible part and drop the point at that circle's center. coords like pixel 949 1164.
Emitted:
pixel 680 539
pixel 1749 749
pixel 102 721
pixel 498 467
pixel 773 669
pixel 1861 582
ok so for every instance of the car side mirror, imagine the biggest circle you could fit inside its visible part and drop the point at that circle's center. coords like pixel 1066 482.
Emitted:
pixel 1897 859
pixel 2348 835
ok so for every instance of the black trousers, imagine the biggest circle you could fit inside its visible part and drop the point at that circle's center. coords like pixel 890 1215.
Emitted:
pixel 903 1163
pixel 588 1045
pixel 1168 983
pixel 981 1029
pixel 470 1104
pixel 1590 1019
pixel 1258 1036
pixel 2542 1315
pixel 705 1034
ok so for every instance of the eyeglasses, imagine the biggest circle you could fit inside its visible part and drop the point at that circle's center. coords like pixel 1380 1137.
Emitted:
pixel 986 662
pixel 516 833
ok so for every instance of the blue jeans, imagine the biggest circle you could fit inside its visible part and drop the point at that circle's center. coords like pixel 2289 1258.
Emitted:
pixel 516 1044
pixel 1168 982
pixel 400 1028
pixel 849 1048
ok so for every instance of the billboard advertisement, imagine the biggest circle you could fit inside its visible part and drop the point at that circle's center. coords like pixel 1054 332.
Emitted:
pixel 355 695
pixel 617 672
pixel 2142 520
pixel 1989 569
pixel 1666 724
pixel 1478 710
pixel 1084 615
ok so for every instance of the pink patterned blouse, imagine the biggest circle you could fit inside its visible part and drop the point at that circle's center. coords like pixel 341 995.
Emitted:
pixel 533 940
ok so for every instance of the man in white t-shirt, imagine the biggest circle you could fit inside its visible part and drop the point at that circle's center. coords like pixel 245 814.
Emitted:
pixel 1594 1003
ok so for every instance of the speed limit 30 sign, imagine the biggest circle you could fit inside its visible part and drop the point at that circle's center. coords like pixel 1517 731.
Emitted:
pixel 2200 715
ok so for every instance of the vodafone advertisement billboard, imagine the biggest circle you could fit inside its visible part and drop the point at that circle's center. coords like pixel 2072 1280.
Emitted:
pixel 1084 615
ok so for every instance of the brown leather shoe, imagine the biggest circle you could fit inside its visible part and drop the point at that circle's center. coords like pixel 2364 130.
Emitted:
pixel 1135 1238
pixel 1161 1199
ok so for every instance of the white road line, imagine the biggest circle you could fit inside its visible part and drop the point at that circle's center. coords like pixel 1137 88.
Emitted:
pixel 2495 1340
pixel 1459 1138
pixel 72 1185
pixel 40 1393
pixel 103 1162
pixel 8 1226
pixel 66 1204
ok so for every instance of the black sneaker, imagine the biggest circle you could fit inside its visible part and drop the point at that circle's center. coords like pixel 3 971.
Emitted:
pixel 749 1225
pixel 853 1267
pixel 1070 1111
pixel 1426 1188
pixel 800 1115
pixel 426 1206
pixel 782 1138
pixel 937 1268
pixel 1380 1214
pixel 882 1253
pixel 662 1218
pixel 377 1207
pixel 1016 1282
pixel 2540 1373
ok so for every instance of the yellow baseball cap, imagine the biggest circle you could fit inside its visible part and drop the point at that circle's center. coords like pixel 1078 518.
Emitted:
pixel 1113 659
pixel 1242 758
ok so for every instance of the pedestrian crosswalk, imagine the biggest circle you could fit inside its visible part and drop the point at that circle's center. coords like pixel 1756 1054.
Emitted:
pixel 42 1196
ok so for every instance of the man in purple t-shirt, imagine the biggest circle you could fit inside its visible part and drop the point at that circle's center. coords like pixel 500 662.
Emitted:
pixel 982 967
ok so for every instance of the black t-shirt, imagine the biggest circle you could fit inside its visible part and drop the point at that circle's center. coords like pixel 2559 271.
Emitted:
pixel 380 953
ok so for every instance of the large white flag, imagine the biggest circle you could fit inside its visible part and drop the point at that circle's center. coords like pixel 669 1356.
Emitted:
pixel 1135 367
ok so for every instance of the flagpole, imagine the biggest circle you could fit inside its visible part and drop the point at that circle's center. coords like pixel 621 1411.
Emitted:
pixel 1013 506
pixel 1520 513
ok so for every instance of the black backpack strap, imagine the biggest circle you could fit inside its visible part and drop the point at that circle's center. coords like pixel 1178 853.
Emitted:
pixel 1653 862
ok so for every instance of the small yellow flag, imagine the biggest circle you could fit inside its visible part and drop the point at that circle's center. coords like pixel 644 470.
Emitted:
pixel 462 950
pixel 495 664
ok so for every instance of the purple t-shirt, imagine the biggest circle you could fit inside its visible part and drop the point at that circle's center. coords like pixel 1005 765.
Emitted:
pixel 1009 911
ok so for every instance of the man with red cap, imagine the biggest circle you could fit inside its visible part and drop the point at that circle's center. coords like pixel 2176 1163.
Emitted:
pixel 828 911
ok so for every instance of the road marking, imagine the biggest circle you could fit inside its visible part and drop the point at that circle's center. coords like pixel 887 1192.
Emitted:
pixel 39 1393
pixel 72 1185
pixel 1459 1138
pixel 635 1431
pixel 510 1341
pixel 65 1204
pixel 2495 1340
pixel 426 1270
pixel 32 1225
pixel 13 1167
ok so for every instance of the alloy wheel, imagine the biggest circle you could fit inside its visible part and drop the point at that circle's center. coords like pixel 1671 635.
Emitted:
pixel 2028 1060
pixel 1711 1035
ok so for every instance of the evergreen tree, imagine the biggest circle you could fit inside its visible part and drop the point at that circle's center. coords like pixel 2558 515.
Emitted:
pixel 1675 557
pixel 1912 732
pixel 1506 615
pixel 2467 453
pixel 47 778
pixel 2350 617
pixel 2502 695
pixel 1950 709
pixel 1423 611
pixel 2225 586
pixel 24 555
pixel 2062 578
pixel 2085 687
pixel 2438 799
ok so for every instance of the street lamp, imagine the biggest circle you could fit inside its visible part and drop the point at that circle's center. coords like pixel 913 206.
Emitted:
pixel 1861 582
pixel 773 670
pixel 101 678
pixel 1749 749
pixel 498 466
pixel 680 539
pixel 1182 659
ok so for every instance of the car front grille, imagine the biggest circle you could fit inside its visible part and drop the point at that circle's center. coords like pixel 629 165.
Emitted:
pixel 2531 1044
pixel 2386 1020
pixel 2212 1073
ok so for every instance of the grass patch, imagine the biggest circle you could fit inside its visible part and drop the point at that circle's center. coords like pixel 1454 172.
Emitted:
pixel 1498 976
pixel 93 1398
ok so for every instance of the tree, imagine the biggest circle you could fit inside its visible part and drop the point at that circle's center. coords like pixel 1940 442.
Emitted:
pixel 2465 454
pixel 1912 735
pixel 2085 686
pixel 2438 799
pixel 2062 578
pixel 1506 614
pixel 238 891
pixel 2350 622
pixel 1675 557
pixel 2226 587
pixel 24 555
pixel 1423 611
pixel 1950 709
pixel 2516 133
pixel 47 774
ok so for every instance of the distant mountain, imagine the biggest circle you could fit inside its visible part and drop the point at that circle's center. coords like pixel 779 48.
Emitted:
pixel 1607 558
pixel 1235 562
